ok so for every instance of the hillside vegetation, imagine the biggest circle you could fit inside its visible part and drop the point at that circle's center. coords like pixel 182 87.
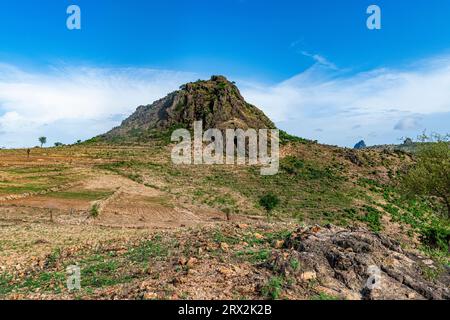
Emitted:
pixel 140 227
pixel 175 228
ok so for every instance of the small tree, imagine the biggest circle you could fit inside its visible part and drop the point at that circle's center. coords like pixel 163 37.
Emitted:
pixel 430 175
pixel 43 140
pixel 269 202
pixel 58 144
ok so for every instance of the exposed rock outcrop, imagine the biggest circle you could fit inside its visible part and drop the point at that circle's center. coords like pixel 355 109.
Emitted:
pixel 359 264
pixel 217 102
pixel 360 145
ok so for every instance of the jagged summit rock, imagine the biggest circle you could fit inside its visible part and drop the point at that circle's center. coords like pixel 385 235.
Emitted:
pixel 408 142
pixel 360 145
pixel 217 102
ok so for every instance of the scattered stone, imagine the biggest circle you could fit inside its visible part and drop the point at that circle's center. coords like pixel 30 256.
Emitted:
pixel 150 296
pixel 411 295
pixel 224 246
pixel 191 262
pixel 279 244
pixel 211 247
pixel 226 271
pixel 428 262
pixel 259 236
pixel 308 276
pixel 192 272
pixel 352 296
pixel 182 261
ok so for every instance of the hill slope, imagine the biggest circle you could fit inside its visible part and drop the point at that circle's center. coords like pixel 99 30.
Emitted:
pixel 141 227
pixel 161 231
pixel 217 102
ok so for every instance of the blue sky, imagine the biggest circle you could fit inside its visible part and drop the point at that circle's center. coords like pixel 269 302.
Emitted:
pixel 313 66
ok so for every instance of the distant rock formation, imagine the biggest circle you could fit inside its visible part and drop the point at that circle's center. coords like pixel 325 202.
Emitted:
pixel 408 142
pixel 360 145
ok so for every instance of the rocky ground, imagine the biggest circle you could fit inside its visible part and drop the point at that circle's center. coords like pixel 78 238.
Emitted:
pixel 139 228
pixel 234 261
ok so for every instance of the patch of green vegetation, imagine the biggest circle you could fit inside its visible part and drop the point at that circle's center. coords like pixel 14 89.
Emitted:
pixel 370 184
pixel 294 264
pixel 287 138
pixel 303 187
pixel 89 195
pixel 271 237
pixel 45 281
pixel 219 237
pixel 222 201
pixel 433 230
pixel 131 169
pixel 159 200
pixel 135 177
pixel 436 235
pixel 222 85
pixel 254 256
pixel 273 288
pixel 294 166
pixel 6 284
pixel 53 258
pixel 372 218
pixel 269 202
pixel 94 211
pixel 35 169
pixel 102 274
pixel 432 274
pixel 114 166
pixel 27 188
pixel 429 176
pixel 323 296
pixel 164 136
pixel 98 269
pixel 149 249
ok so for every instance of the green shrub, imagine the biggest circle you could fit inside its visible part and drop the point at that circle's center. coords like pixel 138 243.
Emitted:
pixel 373 218
pixel 436 236
pixel 273 288
pixel 286 138
pixel 430 175
pixel 269 202
pixel 324 296
pixel 292 165
pixel 95 210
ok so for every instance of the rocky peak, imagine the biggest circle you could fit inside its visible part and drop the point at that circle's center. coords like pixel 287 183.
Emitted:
pixel 360 145
pixel 217 102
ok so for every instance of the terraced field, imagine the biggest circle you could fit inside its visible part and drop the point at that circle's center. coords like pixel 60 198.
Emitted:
pixel 141 227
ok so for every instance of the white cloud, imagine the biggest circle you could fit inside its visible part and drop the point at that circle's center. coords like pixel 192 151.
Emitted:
pixel 69 103
pixel 408 123
pixel 319 59
pixel 356 105
pixel 34 103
